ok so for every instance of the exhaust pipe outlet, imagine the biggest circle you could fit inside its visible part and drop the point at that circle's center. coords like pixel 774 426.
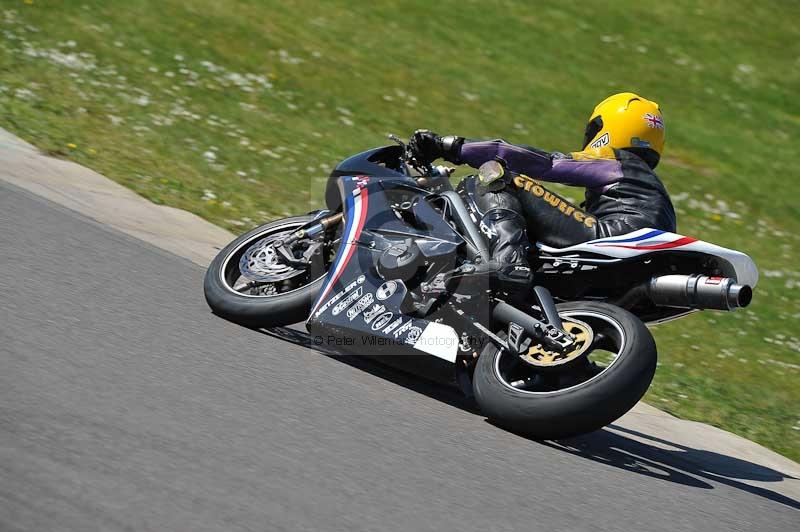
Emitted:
pixel 699 292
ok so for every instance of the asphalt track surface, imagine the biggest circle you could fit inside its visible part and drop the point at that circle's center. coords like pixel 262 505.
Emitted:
pixel 126 405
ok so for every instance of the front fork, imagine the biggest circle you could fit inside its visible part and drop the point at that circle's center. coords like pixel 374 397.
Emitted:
pixel 309 231
pixel 320 224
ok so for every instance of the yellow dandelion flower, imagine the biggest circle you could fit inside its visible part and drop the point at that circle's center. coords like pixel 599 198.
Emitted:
pixel 72 145
pixel 29 2
pixel 716 217
pixel 92 151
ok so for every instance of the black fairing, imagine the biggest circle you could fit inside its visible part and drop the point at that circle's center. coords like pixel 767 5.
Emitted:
pixel 366 305
pixel 384 162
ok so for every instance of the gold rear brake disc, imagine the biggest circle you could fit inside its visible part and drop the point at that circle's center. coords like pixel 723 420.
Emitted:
pixel 582 335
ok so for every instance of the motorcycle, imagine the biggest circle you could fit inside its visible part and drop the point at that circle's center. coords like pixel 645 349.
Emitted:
pixel 396 267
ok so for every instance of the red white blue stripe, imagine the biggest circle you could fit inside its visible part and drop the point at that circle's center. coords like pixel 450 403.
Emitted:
pixel 646 242
pixel 644 236
pixel 355 216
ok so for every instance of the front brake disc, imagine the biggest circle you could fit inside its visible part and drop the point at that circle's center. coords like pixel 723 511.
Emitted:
pixel 261 263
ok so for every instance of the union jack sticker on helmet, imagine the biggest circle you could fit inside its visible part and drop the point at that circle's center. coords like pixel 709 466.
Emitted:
pixel 654 121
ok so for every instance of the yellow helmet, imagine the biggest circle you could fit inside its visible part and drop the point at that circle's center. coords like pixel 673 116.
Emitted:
pixel 627 121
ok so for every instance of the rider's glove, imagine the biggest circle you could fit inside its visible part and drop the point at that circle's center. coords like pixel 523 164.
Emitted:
pixel 430 146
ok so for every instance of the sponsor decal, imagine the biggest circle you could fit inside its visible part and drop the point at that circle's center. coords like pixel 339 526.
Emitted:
pixel 654 121
pixel 413 335
pixel 360 305
pixel 386 290
pixel 405 327
pixel 339 295
pixel 370 314
pixel 382 320
pixel 392 326
pixel 537 190
pixel 490 232
pixel 605 140
pixel 361 180
pixel 347 301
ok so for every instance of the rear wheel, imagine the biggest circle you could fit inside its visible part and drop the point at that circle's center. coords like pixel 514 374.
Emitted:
pixel 548 395
pixel 248 283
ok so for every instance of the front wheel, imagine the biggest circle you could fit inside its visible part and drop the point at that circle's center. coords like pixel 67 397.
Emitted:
pixel 249 284
pixel 550 396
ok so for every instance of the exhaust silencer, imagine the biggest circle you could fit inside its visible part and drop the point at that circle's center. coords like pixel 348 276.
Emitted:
pixel 699 291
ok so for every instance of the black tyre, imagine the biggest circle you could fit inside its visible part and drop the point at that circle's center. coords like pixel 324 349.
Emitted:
pixel 609 378
pixel 284 297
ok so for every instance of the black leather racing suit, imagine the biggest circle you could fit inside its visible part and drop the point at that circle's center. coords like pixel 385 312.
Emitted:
pixel 623 194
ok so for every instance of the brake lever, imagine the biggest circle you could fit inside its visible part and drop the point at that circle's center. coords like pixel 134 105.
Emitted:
pixel 409 158
pixel 398 140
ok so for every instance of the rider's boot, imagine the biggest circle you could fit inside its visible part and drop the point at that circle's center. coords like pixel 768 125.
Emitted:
pixel 509 246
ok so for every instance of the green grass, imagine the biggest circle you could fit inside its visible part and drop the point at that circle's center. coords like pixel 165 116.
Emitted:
pixel 236 110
